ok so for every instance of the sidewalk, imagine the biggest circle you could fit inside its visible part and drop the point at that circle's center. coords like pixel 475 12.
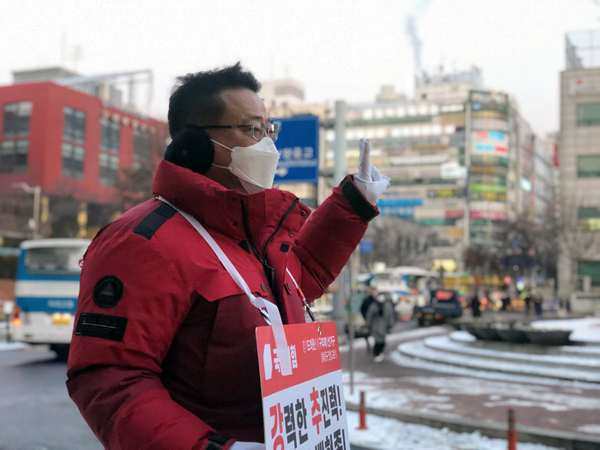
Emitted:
pixel 553 412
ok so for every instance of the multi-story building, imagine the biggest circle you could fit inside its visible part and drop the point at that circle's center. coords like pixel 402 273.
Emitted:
pixel 579 161
pixel 462 160
pixel 62 154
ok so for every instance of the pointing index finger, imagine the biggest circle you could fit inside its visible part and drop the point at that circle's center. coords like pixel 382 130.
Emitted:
pixel 364 162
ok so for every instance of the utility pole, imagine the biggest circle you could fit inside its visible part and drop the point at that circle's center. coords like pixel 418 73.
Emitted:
pixel 37 193
pixel 339 172
pixel 468 145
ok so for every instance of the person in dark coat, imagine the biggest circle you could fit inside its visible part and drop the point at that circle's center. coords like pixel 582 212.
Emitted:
pixel 528 299
pixel 380 319
pixel 505 300
pixel 364 307
pixel 476 305
pixel 538 301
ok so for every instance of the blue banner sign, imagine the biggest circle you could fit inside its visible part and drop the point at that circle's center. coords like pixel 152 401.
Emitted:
pixel 399 207
pixel 366 246
pixel 298 144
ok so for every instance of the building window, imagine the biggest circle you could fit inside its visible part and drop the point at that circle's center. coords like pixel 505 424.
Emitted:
pixel 16 119
pixel 109 169
pixel 591 269
pixel 72 160
pixel 141 144
pixel 13 156
pixel 588 166
pixel 111 132
pixel 74 127
pixel 588 114
pixel 588 218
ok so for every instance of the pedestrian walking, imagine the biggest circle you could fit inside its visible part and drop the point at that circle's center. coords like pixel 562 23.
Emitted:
pixel 380 319
pixel 476 305
pixel 528 298
pixel 505 300
pixel 364 307
pixel 163 354
pixel 538 302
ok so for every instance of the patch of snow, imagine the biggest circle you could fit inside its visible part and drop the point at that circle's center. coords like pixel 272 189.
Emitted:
pixel 584 361
pixel 393 398
pixel 11 346
pixel 417 349
pixel 584 330
pixel 463 336
pixel 523 395
pixel 405 361
pixel 513 402
pixel 592 428
pixel 390 434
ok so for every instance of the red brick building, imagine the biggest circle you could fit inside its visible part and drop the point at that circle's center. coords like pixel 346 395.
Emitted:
pixel 75 151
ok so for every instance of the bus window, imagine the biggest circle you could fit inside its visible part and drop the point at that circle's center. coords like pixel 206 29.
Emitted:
pixel 54 260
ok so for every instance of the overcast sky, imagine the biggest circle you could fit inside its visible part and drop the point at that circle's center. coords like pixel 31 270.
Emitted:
pixel 338 49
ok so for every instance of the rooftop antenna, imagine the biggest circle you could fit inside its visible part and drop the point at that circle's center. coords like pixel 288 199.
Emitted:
pixel 63 49
pixel 77 56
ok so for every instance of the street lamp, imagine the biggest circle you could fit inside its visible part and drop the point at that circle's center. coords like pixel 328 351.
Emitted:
pixel 36 191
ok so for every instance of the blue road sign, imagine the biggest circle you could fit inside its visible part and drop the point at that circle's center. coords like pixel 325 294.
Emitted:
pixel 366 246
pixel 298 144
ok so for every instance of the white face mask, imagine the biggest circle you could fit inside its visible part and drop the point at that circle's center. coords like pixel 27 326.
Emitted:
pixel 255 165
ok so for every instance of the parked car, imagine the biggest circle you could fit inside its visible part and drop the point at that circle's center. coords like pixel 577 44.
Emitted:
pixel 443 305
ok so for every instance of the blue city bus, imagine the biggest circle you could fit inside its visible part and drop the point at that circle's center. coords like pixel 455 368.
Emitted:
pixel 46 291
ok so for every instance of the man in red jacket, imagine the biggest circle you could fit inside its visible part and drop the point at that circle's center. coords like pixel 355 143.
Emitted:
pixel 163 354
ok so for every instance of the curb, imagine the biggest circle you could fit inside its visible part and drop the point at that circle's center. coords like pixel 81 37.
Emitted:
pixel 6 346
pixel 565 440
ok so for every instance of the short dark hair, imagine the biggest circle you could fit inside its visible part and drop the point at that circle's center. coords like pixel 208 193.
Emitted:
pixel 197 97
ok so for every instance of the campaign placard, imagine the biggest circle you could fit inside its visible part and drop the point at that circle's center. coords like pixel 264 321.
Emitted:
pixel 304 410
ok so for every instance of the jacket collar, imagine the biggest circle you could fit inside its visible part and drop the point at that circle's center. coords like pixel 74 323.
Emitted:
pixel 221 209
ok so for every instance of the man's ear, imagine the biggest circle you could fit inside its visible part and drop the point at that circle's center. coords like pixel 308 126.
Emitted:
pixel 191 148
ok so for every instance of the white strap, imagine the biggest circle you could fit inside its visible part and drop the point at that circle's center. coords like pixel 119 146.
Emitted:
pixel 271 315
pixel 304 302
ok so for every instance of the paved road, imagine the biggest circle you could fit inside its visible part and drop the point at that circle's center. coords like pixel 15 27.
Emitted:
pixel 35 410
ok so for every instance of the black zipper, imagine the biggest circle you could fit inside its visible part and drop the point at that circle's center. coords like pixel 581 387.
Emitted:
pixel 289 210
pixel 269 271
pixel 248 234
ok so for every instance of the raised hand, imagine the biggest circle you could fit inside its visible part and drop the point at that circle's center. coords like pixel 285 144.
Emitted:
pixel 368 179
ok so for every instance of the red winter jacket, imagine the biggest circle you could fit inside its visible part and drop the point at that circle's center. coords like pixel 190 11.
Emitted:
pixel 163 354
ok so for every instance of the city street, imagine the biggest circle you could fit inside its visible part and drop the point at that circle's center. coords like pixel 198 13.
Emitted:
pixel 36 412
pixel 417 390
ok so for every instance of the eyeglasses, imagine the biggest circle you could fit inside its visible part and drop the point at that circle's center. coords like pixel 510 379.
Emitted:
pixel 257 130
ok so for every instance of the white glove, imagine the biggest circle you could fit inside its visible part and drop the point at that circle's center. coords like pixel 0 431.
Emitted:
pixel 368 179
pixel 247 446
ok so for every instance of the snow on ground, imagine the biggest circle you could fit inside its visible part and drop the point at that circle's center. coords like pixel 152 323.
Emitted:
pixel 583 350
pixel 418 349
pixel 11 346
pixel 591 428
pixel 391 434
pixel 440 402
pixel 394 399
pixel 518 394
pixel 405 361
pixel 584 330
pixel 519 353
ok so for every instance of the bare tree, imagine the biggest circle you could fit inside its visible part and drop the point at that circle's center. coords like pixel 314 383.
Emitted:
pixel 578 236
pixel 397 242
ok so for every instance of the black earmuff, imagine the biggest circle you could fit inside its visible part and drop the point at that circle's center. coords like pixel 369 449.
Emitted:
pixel 191 148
